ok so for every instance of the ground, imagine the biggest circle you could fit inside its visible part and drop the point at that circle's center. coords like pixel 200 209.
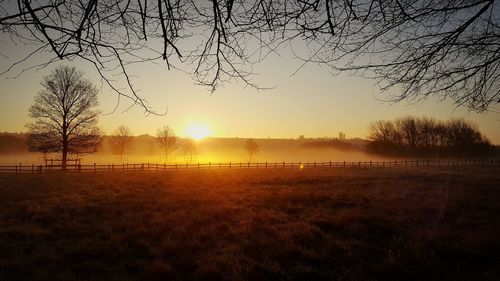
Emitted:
pixel 433 223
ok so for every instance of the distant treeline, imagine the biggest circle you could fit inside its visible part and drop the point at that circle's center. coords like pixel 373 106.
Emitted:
pixel 428 137
pixel 352 144
pixel 12 143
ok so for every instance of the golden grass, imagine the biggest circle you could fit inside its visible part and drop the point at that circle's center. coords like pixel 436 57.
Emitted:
pixel 311 224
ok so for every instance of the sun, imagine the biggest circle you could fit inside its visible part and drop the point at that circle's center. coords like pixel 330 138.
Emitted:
pixel 198 131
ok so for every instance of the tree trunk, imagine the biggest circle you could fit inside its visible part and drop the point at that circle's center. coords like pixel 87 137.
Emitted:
pixel 64 143
pixel 64 156
pixel 64 152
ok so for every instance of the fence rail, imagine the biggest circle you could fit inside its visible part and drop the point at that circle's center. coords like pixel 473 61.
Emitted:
pixel 157 167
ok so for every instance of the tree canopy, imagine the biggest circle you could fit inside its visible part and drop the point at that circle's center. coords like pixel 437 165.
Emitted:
pixel 419 48
pixel 64 115
pixel 424 137
pixel 251 147
pixel 121 141
pixel 167 140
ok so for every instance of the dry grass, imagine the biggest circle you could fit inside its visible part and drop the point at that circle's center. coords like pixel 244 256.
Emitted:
pixel 344 224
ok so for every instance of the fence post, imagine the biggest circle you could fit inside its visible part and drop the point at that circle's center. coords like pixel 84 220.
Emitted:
pixel 79 168
pixel 229 164
pixel 283 164
pixel 266 164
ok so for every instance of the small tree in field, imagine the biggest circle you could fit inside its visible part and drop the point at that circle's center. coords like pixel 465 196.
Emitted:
pixel 65 118
pixel 190 148
pixel 121 141
pixel 252 148
pixel 167 141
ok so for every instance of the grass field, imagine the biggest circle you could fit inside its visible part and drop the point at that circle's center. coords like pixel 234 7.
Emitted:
pixel 311 224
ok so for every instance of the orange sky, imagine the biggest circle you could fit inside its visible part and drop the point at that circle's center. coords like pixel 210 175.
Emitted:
pixel 312 103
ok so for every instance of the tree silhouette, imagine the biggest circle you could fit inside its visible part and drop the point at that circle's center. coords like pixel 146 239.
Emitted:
pixel 419 47
pixel 411 136
pixel 64 116
pixel 252 148
pixel 190 148
pixel 121 141
pixel 166 140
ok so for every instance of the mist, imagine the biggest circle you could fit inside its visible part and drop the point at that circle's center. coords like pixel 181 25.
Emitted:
pixel 144 149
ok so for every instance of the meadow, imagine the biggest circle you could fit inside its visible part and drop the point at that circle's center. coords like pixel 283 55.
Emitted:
pixel 418 223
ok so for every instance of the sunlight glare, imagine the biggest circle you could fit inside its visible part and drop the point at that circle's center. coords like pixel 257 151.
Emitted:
pixel 197 131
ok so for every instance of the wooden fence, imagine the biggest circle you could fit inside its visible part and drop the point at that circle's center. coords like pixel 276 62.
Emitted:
pixel 156 167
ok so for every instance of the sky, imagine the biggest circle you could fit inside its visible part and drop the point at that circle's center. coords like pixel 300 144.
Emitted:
pixel 311 102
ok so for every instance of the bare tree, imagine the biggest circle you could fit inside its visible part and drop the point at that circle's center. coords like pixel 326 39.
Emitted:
pixel 121 141
pixel 419 47
pixel 166 140
pixel 190 148
pixel 413 136
pixel 64 115
pixel 252 148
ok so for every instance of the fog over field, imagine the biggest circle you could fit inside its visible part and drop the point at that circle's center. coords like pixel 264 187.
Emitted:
pixel 145 150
